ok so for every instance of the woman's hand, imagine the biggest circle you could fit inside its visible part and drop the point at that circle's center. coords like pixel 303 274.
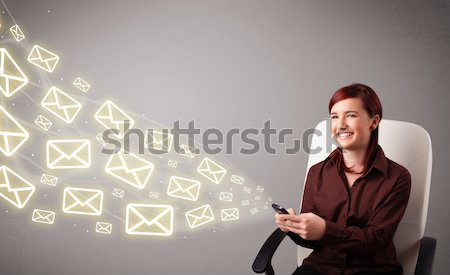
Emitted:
pixel 309 226
pixel 280 220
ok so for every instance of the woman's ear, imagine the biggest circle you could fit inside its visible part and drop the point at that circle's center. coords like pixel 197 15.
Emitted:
pixel 375 122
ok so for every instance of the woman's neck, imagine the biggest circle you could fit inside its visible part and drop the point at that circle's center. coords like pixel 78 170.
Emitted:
pixel 354 159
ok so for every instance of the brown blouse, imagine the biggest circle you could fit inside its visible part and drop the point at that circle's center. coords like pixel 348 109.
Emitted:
pixel 360 221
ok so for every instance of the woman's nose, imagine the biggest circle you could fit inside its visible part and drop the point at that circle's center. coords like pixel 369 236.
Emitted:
pixel 341 123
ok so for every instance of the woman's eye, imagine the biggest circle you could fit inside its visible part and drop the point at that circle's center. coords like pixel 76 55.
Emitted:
pixel 351 116
pixel 333 117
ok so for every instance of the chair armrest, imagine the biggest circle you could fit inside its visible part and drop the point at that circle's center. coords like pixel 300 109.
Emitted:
pixel 425 259
pixel 263 261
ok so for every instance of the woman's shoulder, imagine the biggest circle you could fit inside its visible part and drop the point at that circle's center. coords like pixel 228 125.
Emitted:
pixel 396 169
pixel 315 168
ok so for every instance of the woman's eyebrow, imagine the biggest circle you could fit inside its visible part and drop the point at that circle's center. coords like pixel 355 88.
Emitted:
pixel 346 112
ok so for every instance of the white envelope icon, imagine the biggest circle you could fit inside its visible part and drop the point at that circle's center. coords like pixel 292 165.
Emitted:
pixel 183 188
pixel 229 214
pixel 130 168
pixel 112 117
pixel 211 170
pixel 17 33
pixel 225 196
pixel 199 216
pixel 81 84
pixel 49 180
pixel 237 179
pixel 68 154
pixel 118 193
pixel 103 227
pixel 12 78
pixel 83 201
pixel 43 216
pixel 43 123
pixel 43 58
pixel 172 163
pixel 61 104
pixel 149 219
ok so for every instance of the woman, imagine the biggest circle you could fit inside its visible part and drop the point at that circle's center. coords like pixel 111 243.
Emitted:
pixel 354 200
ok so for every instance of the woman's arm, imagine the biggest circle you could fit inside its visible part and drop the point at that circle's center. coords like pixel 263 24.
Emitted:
pixel 307 206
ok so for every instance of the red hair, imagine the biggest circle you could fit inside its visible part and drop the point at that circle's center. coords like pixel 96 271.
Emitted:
pixel 372 105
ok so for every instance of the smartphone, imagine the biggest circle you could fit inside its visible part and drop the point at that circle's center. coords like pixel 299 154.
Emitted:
pixel 279 209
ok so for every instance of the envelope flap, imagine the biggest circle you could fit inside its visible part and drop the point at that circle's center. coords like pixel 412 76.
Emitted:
pixel 82 197
pixel 118 116
pixel 9 68
pixel 115 162
pixel 150 215
pixel 129 162
pixel 104 226
pixel 69 149
pixel 201 212
pixel 14 181
pixel 43 214
pixel 105 111
pixel 185 184
pixel 65 101
pixel 214 168
pixel 207 212
pixel 46 55
pixel 233 212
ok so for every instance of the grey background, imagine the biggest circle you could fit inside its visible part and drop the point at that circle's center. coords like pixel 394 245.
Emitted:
pixel 227 64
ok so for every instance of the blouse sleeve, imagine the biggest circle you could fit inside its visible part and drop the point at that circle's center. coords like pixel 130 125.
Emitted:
pixel 307 206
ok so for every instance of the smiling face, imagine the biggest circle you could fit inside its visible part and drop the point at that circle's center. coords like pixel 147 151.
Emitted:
pixel 351 125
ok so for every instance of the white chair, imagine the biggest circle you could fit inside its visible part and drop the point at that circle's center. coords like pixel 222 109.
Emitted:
pixel 409 145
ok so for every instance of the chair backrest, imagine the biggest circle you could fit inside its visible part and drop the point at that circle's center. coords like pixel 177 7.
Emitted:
pixel 409 145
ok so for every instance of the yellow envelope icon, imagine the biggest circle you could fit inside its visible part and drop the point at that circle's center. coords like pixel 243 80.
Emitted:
pixel 12 133
pixel 43 216
pixel 187 151
pixel 229 214
pixel 149 219
pixel 14 188
pixel 172 163
pixel 160 141
pixel 43 58
pixel 103 227
pixel 237 179
pixel 83 201
pixel 118 193
pixel 211 170
pixel 49 180
pixel 61 104
pixel 225 196
pixel 183 188
pixel 17 33
pixel 112 117
pixel 43 123
pixel 130 168
pixel 68 154
pixel 12 78
pixel 81 84
pixel 200 216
